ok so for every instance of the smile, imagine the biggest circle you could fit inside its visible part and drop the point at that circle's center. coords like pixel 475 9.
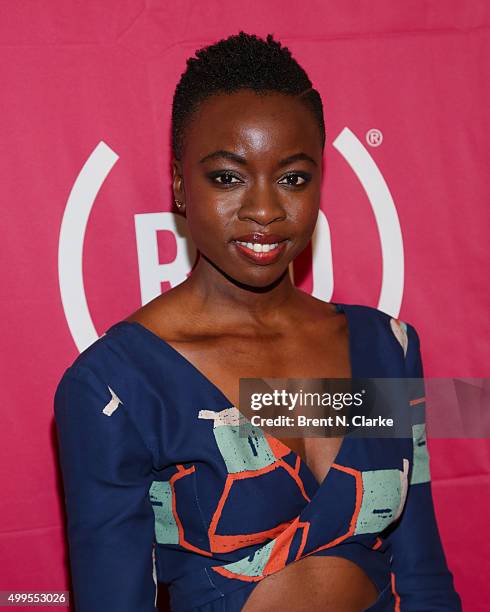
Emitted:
pixel 257 247
pixel 261 253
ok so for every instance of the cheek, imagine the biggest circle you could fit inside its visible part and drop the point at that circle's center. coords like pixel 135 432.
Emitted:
pixel 206 210
pixel 304 216
pixel 209 222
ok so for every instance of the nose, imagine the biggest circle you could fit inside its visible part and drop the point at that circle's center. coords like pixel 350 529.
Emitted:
pixel 262 205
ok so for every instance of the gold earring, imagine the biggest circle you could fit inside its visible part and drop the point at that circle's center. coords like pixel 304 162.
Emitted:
pixel 179 203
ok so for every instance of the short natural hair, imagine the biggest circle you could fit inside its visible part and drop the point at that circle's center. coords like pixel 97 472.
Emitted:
pixel 241 61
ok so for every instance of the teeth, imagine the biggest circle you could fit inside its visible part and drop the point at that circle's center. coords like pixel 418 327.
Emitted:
pixel 259 248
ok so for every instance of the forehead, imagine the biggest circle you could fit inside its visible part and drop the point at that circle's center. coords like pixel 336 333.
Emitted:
pixel 252 124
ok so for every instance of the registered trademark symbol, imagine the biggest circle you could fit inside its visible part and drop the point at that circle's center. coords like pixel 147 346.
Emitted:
pixel 374 137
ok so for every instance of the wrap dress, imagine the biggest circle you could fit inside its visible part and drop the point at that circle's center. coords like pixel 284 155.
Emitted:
pixel 160 487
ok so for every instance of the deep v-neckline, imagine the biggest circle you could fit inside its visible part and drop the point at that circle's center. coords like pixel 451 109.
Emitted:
pixel 200 374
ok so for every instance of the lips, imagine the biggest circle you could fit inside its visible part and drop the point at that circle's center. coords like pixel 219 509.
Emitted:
pixel 260 248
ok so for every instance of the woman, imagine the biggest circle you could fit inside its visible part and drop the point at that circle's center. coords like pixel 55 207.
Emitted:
pixel 159 486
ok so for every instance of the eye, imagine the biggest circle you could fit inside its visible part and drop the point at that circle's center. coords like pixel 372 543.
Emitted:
pixel 224 178
pixel 295 179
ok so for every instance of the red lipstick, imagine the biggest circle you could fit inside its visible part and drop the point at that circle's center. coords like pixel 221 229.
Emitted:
pixel 261 248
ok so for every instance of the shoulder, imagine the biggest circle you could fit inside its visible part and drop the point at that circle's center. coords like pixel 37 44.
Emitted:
pixel 97 360
pixel 102 374
pixel 394 329
pixel 124 372
pixel 95 372
pixel 100 383
pixel 120 352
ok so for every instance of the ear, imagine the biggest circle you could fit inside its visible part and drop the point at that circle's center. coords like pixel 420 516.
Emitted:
pixel 178 184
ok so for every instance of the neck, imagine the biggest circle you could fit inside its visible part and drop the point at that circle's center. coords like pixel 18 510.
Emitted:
pixel 212 291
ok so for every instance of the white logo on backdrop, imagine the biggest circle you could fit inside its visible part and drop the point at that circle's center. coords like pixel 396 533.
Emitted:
pixel 152 273
pixel 374 137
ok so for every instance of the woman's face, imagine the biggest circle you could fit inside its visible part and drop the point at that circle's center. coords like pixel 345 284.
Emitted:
pixel 250 177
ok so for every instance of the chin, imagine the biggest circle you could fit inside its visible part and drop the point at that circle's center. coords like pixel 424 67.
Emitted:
pixel 261 278
pixel 252 276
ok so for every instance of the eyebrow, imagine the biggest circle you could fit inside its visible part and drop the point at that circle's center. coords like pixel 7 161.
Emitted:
pixel 222 154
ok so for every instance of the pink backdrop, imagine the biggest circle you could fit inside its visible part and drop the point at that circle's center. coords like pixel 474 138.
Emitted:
pixel 74 74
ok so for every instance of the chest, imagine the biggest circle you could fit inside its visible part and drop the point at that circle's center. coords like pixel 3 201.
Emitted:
pixel 324 355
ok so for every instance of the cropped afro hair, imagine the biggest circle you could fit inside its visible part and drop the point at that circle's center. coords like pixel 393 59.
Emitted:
pixel 241 61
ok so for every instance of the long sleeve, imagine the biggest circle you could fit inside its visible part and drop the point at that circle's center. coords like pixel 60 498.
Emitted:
pixel 106 470
pixel 420 577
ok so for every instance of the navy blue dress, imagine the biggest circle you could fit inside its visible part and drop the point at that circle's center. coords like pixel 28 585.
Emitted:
pixel 159 486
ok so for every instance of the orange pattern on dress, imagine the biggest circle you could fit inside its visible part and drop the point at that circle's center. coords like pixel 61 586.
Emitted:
pixel 181 473
pixel 226 543
pixel 393 590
